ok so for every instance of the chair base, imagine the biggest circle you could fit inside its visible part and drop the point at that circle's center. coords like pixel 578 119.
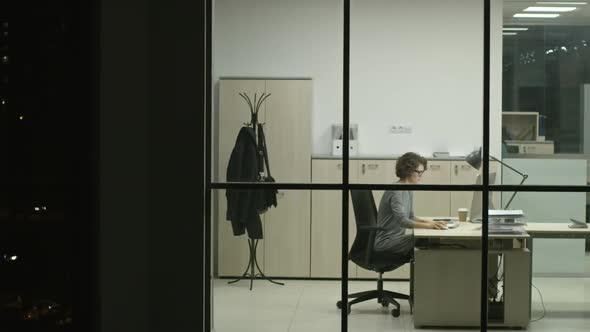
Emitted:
pixel 384 297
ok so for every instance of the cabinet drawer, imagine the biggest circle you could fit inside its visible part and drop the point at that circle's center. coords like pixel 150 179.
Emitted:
pixel 375 172
pixel 437 172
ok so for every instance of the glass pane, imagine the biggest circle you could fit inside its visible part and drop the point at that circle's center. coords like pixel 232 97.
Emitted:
pixel 559 293
pixel 444 278
pixel 545 85
pixel 280 60
pixel 416 80
pixel 297 240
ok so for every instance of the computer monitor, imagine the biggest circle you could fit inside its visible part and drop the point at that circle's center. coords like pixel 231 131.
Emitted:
pixel 475 210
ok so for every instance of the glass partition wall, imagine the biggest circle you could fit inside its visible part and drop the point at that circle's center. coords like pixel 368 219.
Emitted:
pixel 276 90
pixel 342 90
pixel 545 62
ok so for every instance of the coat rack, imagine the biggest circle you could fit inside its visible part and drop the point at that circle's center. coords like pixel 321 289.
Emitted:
pixel 250 273
pixel 254 107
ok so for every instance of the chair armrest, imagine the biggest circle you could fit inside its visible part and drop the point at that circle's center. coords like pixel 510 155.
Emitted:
pixel 371 228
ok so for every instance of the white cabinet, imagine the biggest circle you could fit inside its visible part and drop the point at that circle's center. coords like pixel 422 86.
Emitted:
pixel 287 235
pixel 376 172
pixel 461 173
pixel 433 203
pixel 326 216
pixel 288 135
pixel 285 249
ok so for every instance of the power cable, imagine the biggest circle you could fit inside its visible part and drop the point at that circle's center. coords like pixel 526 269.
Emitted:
pixel 542 303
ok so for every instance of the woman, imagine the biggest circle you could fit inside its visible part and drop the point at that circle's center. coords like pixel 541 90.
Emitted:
pixel 396 212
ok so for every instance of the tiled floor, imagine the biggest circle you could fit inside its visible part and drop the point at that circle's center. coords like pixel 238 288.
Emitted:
pixel 306 305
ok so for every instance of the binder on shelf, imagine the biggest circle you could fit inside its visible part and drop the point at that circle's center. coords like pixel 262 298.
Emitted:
pixel 337 136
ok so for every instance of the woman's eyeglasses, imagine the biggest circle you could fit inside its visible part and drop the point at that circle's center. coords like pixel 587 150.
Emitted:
pixel 419 172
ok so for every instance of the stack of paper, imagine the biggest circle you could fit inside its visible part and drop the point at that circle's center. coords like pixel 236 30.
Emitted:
pixel 506 221
pixel 506 214
pixel 505 229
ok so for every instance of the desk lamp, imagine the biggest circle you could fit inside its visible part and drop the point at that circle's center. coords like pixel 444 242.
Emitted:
pixel 474 159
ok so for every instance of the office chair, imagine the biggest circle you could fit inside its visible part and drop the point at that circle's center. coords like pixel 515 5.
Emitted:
pixel 363 255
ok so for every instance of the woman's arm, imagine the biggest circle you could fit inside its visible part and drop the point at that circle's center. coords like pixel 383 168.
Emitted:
pixel 423 225
pixel 405 215
pixel 430 223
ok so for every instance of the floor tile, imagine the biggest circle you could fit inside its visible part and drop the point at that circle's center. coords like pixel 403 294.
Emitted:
pixel 310 305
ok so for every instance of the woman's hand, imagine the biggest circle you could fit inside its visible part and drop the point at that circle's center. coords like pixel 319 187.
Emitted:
pixel 438 224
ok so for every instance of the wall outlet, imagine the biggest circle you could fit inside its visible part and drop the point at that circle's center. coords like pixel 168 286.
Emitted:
pixel 401 130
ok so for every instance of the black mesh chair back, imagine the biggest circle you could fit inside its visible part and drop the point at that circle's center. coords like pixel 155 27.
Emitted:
pixel 365 215
pixel 362 252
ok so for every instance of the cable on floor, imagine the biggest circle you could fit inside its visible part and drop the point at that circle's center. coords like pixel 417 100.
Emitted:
pixel 542 303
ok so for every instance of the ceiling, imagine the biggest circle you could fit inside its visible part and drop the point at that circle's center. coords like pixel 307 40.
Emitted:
pixel 580 16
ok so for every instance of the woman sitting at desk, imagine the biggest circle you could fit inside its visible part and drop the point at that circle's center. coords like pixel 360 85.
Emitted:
pixel 396 212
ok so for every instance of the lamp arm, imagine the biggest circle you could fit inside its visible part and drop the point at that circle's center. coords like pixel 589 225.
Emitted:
pixel 509 167
pixel 524 177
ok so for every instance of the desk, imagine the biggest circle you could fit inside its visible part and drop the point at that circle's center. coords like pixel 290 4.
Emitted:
pixel 453 297
pixel 555 231
pixel 447 278
pixel 466 230
pixel 552 231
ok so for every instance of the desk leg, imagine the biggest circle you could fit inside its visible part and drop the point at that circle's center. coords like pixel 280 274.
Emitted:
pixel 411 300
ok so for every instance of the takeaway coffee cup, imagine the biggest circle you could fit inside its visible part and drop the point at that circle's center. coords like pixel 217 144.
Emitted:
pixel 462 212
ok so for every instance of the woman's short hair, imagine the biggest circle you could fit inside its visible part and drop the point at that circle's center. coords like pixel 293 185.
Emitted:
pixel 408 163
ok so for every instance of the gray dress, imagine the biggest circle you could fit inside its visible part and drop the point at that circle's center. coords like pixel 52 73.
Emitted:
pixel 395 215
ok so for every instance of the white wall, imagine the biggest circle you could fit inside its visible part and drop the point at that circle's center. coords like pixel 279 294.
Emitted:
pixel 416 62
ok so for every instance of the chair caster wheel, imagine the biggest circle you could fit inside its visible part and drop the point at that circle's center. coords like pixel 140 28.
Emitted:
pixel 395 312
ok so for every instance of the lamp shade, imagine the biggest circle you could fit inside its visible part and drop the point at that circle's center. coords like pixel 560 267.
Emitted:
pixel 474 159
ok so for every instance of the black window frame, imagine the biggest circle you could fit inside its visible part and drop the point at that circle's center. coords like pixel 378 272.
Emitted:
pixel 485 188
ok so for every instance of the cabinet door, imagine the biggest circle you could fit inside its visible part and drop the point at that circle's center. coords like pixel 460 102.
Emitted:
pixel 434 203
pixel 326 219
pixel 463 173
pixel 287 114
pixel 232 251
pixel 287 235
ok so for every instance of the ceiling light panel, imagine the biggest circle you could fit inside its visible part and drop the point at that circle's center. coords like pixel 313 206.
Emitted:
pixel 514 29
pixel 550 9
pixel 536 15
pixel 561 3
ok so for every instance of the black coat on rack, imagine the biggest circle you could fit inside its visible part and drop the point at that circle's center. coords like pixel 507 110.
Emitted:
pixel 246 164
pixel 243 166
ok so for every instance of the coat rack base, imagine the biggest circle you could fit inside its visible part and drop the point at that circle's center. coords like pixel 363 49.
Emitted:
pixel 249 273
